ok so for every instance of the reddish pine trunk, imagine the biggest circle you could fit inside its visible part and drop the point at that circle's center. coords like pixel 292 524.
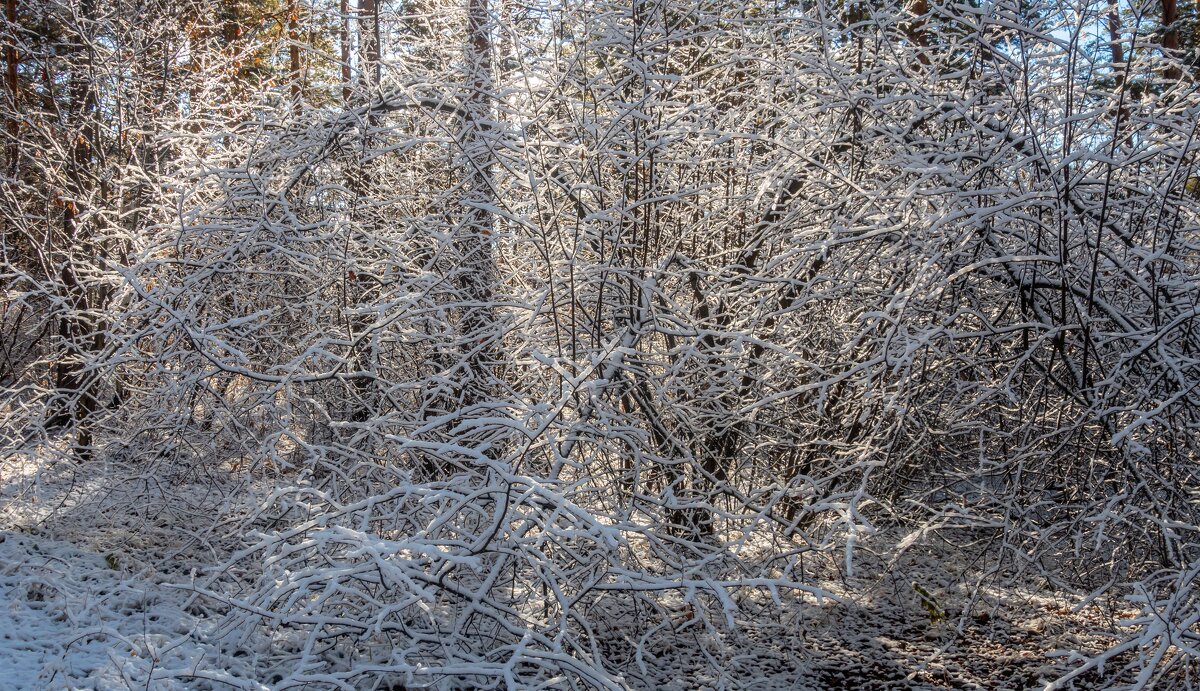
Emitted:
pixel 915 29
pixel 345 45
pixel 1170 37
pixel 294 54
pixel 1114 41
pixel 370 69
pixel 10 62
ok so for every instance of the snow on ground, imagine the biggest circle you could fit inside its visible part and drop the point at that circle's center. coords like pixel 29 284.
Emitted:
pixel 1002 634
pixel 879 637
pixel 89 602
pixel 75 619
pixel 79 620
pixel 82 604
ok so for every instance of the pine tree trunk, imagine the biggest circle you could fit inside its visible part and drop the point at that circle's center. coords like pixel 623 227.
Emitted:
pixel 1170 37
pixel 10 73
pixel 297 89
pixel 75 396
pixel 344 8
pixel 476 275
pixel 361 183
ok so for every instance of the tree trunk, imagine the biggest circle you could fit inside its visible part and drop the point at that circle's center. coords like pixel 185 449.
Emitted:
pixel 360 183
pixel 1114 41
pixel 294 77
pixel 915 29
pixel 370 70
pixel 10 64
pixel 75 385
pixel 344 8
pixel 1170 37
pixel 476 275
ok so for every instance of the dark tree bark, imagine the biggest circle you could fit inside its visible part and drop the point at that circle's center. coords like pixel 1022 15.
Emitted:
pixel 473 242
pixel 75 385
pixel 344 40
pixel 10 74
pixel 370 69
pixel 361 182
pixel 1170 36
pixel 294 76
pixel 915 30
pixel 1114 41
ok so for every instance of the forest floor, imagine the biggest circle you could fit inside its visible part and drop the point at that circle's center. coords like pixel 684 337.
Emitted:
pixel 998 636
pixel 85 607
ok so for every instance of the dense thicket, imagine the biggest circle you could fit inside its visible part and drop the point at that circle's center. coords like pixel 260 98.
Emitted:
pixel 495 321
